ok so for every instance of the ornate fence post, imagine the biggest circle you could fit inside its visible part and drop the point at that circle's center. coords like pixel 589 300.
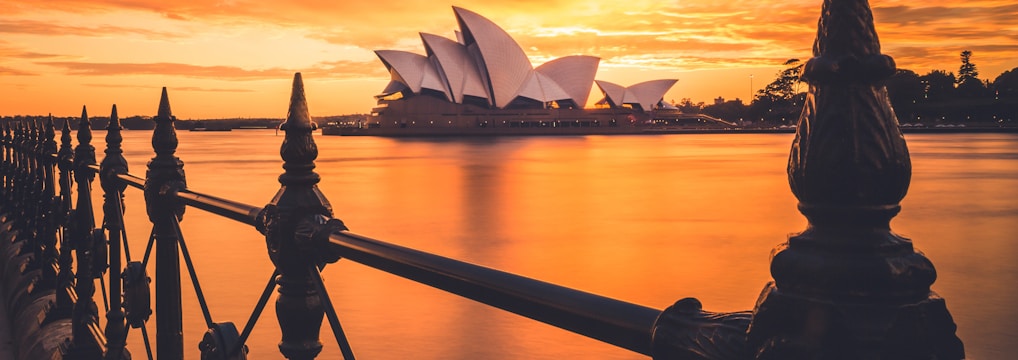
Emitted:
pixel 164 178
pixel 287 222
pixel 65 277
pixel 847 287
pixel 50 204
pixel 88 337
pixel 112 165
pixel 5 140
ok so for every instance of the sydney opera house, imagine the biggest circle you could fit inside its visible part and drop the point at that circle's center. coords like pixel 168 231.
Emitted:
pixel 484 80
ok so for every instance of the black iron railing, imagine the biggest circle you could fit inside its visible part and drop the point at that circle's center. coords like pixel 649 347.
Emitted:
pixel 846 275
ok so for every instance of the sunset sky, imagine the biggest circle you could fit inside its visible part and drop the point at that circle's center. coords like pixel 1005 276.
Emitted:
pixel 233 58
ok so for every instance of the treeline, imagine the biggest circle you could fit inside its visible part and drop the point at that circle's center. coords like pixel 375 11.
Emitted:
pixel 938 97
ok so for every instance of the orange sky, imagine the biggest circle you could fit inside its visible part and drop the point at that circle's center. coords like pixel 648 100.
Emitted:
pixel 232 58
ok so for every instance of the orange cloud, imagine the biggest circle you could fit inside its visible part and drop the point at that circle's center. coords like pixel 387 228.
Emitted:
pixel 14 72
pixel 213 72
pixel 50 29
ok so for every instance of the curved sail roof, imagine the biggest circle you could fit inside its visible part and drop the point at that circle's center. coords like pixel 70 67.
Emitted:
pixel 413 70
pixel 613 92
pixel 649 93
pixel 405 67
pixel 503 61
pixel 645 94
pixel 455 67
pixel 542 88
pixel 574 74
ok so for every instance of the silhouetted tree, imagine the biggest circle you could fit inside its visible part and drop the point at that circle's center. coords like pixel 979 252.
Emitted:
pixel 967 71
pixel 733 110
pixel 687 106
pixel 939 85
pixel 905 91
pixel 780 102
pixel 785 86
pixel 969 85
pixel 1006 84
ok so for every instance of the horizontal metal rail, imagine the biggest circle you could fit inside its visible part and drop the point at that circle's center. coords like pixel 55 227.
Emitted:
pixel 615 322
pixel 226 208
pixel 619 323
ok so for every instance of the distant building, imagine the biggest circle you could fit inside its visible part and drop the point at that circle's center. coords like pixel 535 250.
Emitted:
pixel 484 68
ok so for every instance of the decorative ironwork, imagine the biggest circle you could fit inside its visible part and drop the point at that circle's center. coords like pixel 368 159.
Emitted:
pixel 112 165
pixel 165 177
pixel 685 331
pixel 65 277
pixel 847 287
pixel 88 337
pixel 137 294
pixel 289 223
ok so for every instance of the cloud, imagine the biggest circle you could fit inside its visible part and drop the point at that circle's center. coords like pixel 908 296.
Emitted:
pixel 169 69
pixel 328 70
pixel 32 27
pixel 969 14
pixel 346 70
pixel 15 72
pixel 183 88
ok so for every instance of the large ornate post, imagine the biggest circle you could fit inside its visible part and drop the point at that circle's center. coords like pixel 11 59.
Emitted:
pixel 288 221
pixel 164 178
pixel 112 165
pixel 847 287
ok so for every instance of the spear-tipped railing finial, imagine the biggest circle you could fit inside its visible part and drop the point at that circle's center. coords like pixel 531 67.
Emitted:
pixel 164 178
pixel 287 222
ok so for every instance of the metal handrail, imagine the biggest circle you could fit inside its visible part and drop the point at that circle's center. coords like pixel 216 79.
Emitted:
pixel 613 321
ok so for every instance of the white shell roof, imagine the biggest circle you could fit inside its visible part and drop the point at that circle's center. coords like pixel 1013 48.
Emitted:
pixel 573 74
pixel 612 91
pixel 645 94
pixel 505 63
pixel 413 70
pixel 649 93
pixel 455 67
pixel 542 88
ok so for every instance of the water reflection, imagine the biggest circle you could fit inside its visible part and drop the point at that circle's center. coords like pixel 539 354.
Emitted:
pixel 646 219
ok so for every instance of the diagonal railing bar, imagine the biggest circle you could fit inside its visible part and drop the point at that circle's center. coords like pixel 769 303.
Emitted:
pixel 194 276
pixel 102 287
pixel 330 313
pixel 255 314
pixel 148 343
pixel 148 249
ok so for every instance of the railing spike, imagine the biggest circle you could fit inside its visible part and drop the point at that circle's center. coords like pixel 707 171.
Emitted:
pixel 164 178
pixel 164 105
pixel 88 338
pixel 65 276
pixel 112 165
pixel 288 223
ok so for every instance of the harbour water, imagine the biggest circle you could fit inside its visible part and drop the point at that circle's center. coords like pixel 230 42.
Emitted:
pixel 645 219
